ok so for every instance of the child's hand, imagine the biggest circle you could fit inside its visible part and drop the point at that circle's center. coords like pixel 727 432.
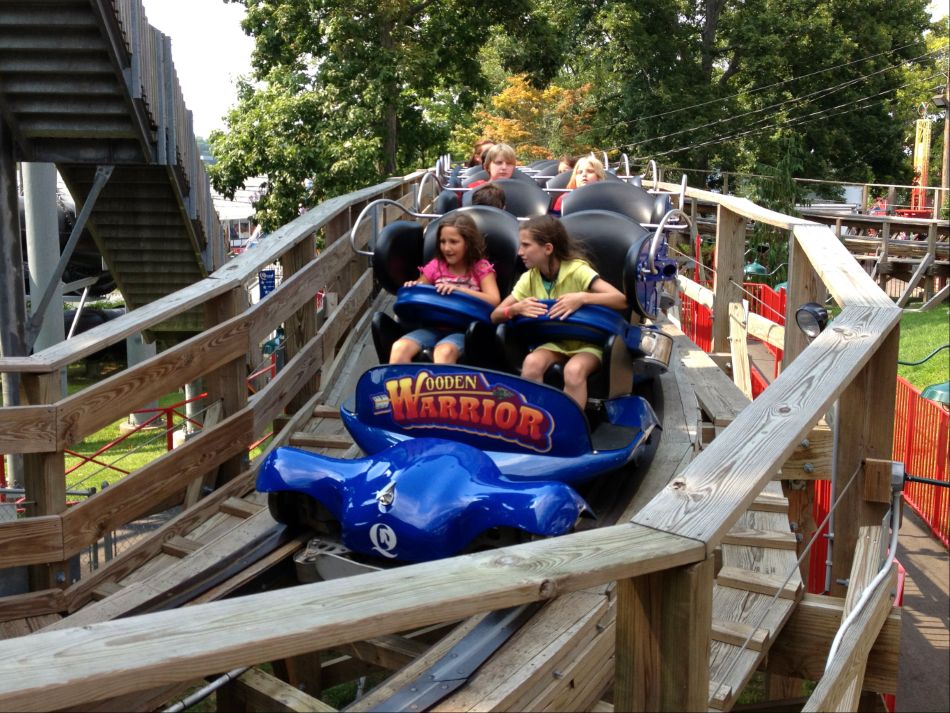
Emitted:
pixel 529 307
pixel 410 283
pixel 445 288
pixel 567 305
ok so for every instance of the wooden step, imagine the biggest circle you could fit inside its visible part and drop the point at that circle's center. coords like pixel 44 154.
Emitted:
pixel 745 580
pixel 179 546
pixel 736 633
pixel 313 440
pixel 240 508
pixel 323 411
pixel 765 502
pixel 105 589
pixel 772 539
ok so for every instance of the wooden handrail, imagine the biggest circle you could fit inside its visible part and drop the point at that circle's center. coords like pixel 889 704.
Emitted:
pixel 55 669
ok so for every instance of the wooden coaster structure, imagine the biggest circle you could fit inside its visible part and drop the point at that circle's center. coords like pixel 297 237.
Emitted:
pixel 653 609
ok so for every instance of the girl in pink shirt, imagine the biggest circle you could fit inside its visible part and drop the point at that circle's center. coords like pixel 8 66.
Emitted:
pixel 459 265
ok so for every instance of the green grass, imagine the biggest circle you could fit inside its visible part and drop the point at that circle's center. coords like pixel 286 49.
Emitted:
pixel 921 333
pixel 134 452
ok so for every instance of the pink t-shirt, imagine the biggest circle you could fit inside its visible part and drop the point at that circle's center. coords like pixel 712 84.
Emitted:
pixel 437 271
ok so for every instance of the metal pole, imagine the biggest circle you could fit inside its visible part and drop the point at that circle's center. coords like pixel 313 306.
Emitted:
pixel 42 250
pixel 12 303
pixel 945 166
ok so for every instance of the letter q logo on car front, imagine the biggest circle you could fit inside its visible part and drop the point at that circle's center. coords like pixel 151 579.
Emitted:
pixel 383 538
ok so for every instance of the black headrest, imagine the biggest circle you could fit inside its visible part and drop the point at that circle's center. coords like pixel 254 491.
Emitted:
pixel 474 174
pixel 617 196
pixel 662 204
pixel 611 175
pixel 546 165
pixel 636 181
pixel 444 202
pixel 397 254
pixel 500 230
pixel 611 241
pixel 522 199
pixel 560 180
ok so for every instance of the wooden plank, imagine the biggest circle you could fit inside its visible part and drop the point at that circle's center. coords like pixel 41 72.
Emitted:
pixel 388 652
pixel 239 507
pixel 936 299
pixel 727 283
pixel 739 349
pixel 759 582
pixel 136 494
pixel 100 405
pixel 812 460
pixel 914 280
pixel 33 540
pixel 801 648
pixel 301 326
pixel 664 622
pixel 705 500
pixel 863 433
pixel 179 546
pixel 270 401
pixel 195 641
pixel 322 411
pixel 257 690
pixel 766 330
pixel 769 503
pixel 19 606
pixel 28 429
pixel 844 278
pixel 314 440
pixel 843 679
pixel 104 590
pixel 804 285
pixel 877 480
pixel 774 539
pixel 716 393
pixel 738 633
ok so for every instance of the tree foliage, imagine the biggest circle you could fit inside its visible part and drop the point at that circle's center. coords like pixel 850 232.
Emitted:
pixel 348 92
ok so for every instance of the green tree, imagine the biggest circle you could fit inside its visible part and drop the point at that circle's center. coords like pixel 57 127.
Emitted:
pixel 349 92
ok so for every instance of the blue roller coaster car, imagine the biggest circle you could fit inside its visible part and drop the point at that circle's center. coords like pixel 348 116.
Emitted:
pixel 452 453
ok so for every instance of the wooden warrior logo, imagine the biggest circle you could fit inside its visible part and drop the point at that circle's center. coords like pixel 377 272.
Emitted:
pixel 466 402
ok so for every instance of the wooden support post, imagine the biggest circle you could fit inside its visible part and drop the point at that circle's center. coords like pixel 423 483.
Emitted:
pixel 739 349
pixel 301 326
pixel 804 285
pixel 865 430
pixel 664 622
pixel 730 258
pixel 44 476
pixel 932 253
pixel 302 672
pixel 228 383
pixel 883 266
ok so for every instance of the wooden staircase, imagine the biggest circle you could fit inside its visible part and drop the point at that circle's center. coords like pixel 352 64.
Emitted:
pixel 87 83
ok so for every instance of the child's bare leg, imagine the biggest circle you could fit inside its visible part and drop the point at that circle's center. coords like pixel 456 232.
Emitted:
pixel 537 362
pixel 445 353
pixel 576 371
pixel 402 351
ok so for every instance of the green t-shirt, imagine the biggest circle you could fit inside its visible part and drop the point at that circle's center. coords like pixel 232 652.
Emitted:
pixel 572 276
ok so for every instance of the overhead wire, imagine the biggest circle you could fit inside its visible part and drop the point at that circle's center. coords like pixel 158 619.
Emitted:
pixel 806 98
pixel 794 121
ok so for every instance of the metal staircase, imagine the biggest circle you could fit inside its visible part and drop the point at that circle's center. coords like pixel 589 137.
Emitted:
pixel 87 84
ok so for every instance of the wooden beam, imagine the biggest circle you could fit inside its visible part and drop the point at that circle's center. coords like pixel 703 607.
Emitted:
pixel 801 648
pixel 664 622
pixel 710 494
pixel 730 259
pixel 840 686
pixel 804 286
pixel 301 326
pixel 28 429
pixel 388 652
pixel 33 540
pixel 759 582
pixel 736 633
pixel 256 691
pixel 739 349
pixel 766 330
pixel 54 669
pixel 914 279
pixel 813 459
pixel 865 430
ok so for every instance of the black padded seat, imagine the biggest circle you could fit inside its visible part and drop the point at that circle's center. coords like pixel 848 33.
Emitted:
pixel 560 180
pixel 616 196
pixel 522 199
pixel 397 254
pixel 444 202
pixel 547 166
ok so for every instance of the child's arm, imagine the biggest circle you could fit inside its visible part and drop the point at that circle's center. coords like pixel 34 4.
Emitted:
pixel 512 307
pixel 600 292
pixel 421 281
pixel 489 289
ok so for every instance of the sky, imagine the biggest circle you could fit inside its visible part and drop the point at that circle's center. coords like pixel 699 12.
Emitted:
pixel 210 51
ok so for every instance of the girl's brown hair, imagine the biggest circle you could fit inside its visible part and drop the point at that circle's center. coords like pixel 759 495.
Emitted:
pixel 545 229
pixel 474 242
